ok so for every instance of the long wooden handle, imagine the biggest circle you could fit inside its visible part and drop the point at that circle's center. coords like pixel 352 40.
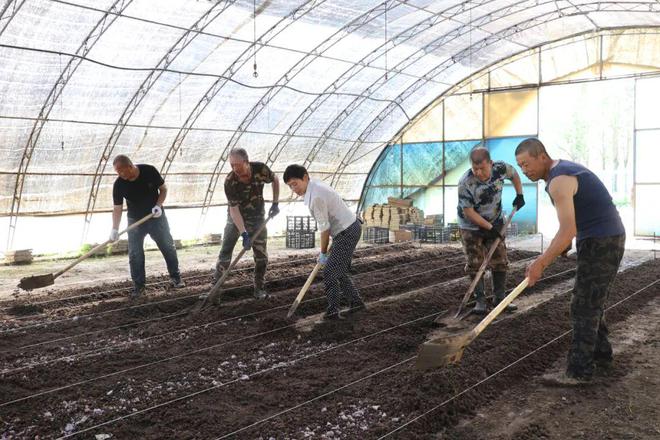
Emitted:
pixel 105 243
pixel 303 291
pixel 484 264
pixel 498 309
pixel 215 290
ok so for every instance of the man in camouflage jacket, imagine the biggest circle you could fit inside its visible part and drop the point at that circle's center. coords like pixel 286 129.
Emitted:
pixel 480 220
pixel 244 190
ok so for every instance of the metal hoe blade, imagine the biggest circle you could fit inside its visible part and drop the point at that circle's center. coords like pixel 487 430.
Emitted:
pixel 36 281
pixel 442 351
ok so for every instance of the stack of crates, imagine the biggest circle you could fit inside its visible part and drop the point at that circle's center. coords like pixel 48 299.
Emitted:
pixel 300 232
pixel 376 235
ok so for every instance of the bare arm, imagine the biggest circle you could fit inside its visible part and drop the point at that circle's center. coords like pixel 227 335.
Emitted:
pixel 517 183
pixel 562 189
pixel 475 218
pixel 116 216
pixel 276 189
pixel 237 218
pixel 325 241
pixel 162 194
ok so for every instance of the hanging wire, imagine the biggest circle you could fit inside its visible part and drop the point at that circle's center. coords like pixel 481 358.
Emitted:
pixel 386 45
pixel 180 118
pixel 254 37
pixel 61 103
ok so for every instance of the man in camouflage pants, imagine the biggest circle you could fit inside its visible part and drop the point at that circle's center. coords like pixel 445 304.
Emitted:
pixel 244 190
pixel 480 220
pixel 586 212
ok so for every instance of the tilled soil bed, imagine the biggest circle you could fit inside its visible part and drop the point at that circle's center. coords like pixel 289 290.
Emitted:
pixel 213 374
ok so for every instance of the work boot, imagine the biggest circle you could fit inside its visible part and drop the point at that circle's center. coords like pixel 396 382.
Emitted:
pixel 480 307
pixel 499 291
pixel 177 283
pixel 136 293
pixel 260 294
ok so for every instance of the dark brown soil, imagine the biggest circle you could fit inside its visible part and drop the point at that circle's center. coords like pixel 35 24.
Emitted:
pixel 247 363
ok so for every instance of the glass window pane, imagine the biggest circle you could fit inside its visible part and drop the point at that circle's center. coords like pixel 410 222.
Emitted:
pixel 647 210
pixel 511 113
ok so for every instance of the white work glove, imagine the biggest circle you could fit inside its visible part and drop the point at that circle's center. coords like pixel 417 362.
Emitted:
pixel 114 235
pixel 157 211
pixel 323 258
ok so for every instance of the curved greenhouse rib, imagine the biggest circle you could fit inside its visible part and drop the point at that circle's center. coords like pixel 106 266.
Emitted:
pixel 513 29
pixel 415 30
pixel 53 96
pixel 300 66
pixel 8 12
pixel 217 86
pixel 152 78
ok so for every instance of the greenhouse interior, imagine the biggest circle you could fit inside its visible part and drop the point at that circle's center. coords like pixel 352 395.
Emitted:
pixel 384 104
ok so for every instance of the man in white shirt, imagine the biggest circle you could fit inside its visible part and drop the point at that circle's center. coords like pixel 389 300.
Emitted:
pixel 335 219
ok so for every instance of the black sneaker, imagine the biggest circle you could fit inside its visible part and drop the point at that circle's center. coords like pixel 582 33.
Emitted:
pixel 333 317
pixel 177 283
pixel 356 308
pixel 137 292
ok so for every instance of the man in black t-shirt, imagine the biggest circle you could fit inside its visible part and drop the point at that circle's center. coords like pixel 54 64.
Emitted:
pixel 144 190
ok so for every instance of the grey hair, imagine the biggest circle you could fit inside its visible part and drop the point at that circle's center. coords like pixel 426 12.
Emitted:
pixel 122 159
pixel 239 152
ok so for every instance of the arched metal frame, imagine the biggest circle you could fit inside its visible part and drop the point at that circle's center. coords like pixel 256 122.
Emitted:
pixel 216 87
pixel 12 7
pixel 509 31
pixel 66 74
pixel 151 79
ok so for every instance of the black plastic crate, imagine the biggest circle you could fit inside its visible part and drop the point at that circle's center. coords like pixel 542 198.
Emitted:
pixel 300 239
pixel 304 223
pixel 434 234
pixel 417 231
pixel 376 235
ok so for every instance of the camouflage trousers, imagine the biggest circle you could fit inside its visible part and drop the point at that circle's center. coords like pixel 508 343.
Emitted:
pixel 598 261
pixel 476 247
pixel 259 251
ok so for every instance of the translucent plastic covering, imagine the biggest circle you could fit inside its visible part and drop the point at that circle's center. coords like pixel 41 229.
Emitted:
pixel 328 84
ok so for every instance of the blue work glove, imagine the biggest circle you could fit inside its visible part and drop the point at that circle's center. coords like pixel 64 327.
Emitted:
pixel 274 210
pixel 323 258
pixel 247 243
pixel 519 202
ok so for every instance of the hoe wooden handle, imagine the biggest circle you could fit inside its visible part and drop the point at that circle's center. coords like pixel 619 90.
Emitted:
pixel 498 309
pixel 96 248
pixel 303 291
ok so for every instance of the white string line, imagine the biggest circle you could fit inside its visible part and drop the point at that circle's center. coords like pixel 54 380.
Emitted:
pixel 194 277
pixel 250 376
pixel 208 348
pixel 506 367
pixel 214 346
pixel 141 340
pixel 185 313
pixel 205 325
pixel 148 303
pixel 406 361
pixel 293 408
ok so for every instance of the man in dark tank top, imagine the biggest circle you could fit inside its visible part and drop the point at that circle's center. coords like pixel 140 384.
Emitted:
pixel 585 211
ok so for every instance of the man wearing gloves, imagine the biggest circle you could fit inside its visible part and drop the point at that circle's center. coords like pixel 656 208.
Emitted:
pixel 145 191
pixel 480 220
pixel 335 219
pixel 244 188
